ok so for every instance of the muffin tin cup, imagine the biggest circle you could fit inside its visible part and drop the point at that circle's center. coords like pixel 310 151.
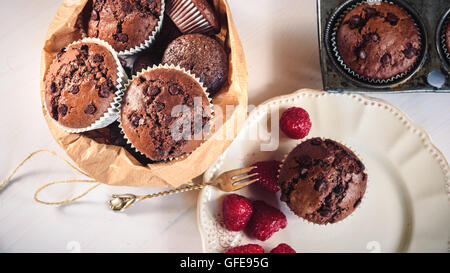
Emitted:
pixel 111 113
pixel 187 17
pixel 331 44
pixel 125 87
pixel 363 199
pixel 151 39
pixel 441 41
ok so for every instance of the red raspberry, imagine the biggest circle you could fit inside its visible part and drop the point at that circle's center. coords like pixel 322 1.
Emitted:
pixel 250 248
pixel 295 123
pixel 265 221
pixel 267 174
pixel 283 248
pixel 237 211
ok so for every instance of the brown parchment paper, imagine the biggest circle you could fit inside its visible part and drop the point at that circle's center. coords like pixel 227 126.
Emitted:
pixel 113 165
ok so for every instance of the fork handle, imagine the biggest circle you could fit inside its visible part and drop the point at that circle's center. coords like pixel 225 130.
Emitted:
pixel 123 201
pixel 179 190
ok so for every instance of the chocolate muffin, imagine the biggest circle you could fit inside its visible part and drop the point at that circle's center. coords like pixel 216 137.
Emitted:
pixel 81 84
pixel 124 24
pixel 152 124
pixel 378 41
pixel 322 181
pixel 193 16
pixel 203 56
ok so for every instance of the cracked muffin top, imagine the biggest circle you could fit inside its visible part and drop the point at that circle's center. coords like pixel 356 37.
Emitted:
pixel 124 24
pixel 378 41
pixel 322 181
pixel 80 84
pixel 165 114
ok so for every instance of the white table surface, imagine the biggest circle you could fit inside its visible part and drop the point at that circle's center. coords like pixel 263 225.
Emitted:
pixel 280 41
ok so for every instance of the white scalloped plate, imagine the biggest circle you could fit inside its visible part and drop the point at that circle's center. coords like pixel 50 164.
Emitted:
pixel 405 209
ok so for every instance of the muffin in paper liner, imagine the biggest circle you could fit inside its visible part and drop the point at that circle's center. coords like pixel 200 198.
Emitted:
pixel 151 39
pixel 363 199
pixel 192 76
pixel 110 115
pixel 188 18
pixel 331 38
pixel 145 44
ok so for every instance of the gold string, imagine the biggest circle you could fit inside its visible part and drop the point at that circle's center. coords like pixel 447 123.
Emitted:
pixel 8 179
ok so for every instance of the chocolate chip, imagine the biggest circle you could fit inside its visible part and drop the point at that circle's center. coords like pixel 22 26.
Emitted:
pixel 152 90
pixel 98 58
pixel 84 47
pixel 74 89
pixel 374 37
pixel 410 52
pixel 104 91
pixel 354 21
pixel 316 141
pixel 386 59
pixel 142 79
pixel 122 37
pixel 392 18
pixel 127 7
pixel 175 89
pixel 61 52
pixel 339 189
pixel 303 173
pixel 188 101
pixel 320 184
pixel 62 109
pixel 159 106
pixel 305 161
pixel 357 203
pixel 362 54
pixel 370 12
pixel 134 120
pixel 90 109
pixel 53 87
pixel 324 211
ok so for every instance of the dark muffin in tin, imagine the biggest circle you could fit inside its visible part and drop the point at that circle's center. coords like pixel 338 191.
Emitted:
pixel 378 41
pixel 147 116
pixel 322 181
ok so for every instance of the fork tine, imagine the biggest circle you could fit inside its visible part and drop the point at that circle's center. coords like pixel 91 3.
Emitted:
pixel 245 184
pixel 239 171
pixel 241 178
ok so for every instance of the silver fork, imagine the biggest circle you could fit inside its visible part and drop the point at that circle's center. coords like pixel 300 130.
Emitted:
pixel 228 182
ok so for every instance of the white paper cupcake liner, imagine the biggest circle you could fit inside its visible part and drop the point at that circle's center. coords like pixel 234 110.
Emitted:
pixel 351 72
pixel 151 39
pixel 119 107
pixel 111 114
pixel 363 199
pixel 187 17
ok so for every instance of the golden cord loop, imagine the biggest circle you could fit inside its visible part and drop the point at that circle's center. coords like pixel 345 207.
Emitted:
pixel 8 179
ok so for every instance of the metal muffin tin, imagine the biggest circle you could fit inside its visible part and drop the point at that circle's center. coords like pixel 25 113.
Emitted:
pixel 430 18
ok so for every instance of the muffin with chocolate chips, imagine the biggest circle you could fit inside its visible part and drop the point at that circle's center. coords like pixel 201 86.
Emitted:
pixel 203 56
pixel 378 41
pixel 81 84
pixel 124 24
pixel 322 181
pixel 165 113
